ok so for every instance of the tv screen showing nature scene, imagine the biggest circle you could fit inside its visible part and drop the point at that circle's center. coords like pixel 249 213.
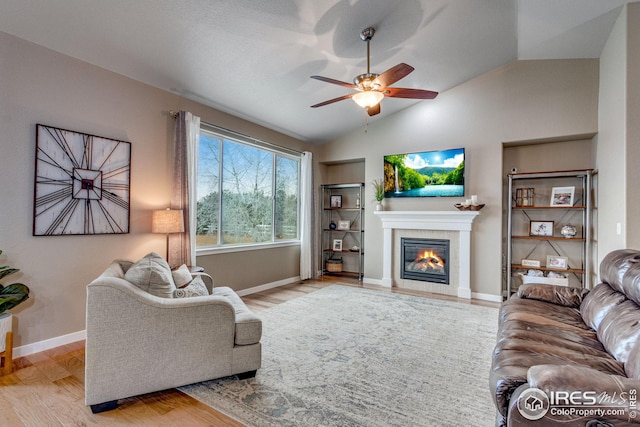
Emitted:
pixel 425 174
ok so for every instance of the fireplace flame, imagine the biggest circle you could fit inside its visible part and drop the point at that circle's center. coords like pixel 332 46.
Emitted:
pixel 431 259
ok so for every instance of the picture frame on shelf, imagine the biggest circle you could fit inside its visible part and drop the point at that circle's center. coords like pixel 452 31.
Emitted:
pixel 557 262
pixel 562 196
pixel 344 225
pixel 337 245
pixel 541 228
pixel 530 263
pixel 335 201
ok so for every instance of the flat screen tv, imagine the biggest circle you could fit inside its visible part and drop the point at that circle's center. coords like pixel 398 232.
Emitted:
pixel 425 174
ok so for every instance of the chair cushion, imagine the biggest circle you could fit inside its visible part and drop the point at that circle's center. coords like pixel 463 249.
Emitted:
pixel 248 325
pixel 152 274
pixel 194 288
pixel 181 276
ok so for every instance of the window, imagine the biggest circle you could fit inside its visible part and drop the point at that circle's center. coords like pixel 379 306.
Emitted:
pixel 247 194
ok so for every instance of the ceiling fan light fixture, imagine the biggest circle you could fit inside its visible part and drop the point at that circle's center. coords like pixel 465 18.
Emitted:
pixel 368 98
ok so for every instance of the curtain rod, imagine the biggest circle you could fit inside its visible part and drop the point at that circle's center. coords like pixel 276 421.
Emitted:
pixel 174 114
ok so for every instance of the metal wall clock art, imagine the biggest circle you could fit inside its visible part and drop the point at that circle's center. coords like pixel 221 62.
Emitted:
pixel 81 185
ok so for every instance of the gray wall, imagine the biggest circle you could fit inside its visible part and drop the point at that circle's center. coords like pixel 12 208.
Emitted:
pixel 618 140
pixel 38 85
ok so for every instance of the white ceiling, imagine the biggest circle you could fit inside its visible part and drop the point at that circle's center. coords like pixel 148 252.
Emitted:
pixel 253 58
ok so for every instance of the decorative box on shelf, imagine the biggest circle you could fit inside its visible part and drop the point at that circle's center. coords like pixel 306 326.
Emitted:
pixel 524 197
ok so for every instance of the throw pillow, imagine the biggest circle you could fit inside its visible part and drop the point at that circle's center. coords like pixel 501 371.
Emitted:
pixel 181 276
pixel 152 274
pixel 195 288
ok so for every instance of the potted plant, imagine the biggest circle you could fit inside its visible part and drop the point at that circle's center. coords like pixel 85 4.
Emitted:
pixel 10 296
pixel 378 189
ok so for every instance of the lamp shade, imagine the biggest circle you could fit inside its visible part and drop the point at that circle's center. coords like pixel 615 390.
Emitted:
pixel 368 98
pixel 167 221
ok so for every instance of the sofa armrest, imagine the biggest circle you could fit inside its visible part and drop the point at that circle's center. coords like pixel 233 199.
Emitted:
pixel 207 279
pixel 581 378
pixel 567 296
pixel 580 394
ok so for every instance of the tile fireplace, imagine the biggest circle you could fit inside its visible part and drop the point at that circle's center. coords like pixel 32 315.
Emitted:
pixel 457 227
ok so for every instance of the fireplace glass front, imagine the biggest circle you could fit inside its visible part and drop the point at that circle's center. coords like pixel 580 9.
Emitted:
pixel 425 260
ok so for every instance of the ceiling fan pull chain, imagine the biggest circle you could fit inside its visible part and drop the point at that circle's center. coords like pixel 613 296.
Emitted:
pixel 368 57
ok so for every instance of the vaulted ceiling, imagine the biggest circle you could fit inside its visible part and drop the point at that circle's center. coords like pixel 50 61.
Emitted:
pixel 253 58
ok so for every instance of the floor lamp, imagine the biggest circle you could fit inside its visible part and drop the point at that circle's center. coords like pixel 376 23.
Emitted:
pixel 167 221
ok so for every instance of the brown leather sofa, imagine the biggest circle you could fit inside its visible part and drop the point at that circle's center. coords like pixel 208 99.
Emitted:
pixel 580 347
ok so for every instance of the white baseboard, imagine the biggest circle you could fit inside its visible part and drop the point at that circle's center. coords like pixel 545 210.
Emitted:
pixel 370 281
pixel 36 347
pixel 486 297
pixel 268 286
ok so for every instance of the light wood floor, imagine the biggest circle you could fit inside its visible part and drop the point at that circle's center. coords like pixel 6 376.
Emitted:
pixel 47 389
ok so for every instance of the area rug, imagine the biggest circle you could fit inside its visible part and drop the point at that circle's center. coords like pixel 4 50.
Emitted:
pixel 346 356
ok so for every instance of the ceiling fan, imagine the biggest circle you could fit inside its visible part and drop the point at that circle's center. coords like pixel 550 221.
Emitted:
pixel 372 87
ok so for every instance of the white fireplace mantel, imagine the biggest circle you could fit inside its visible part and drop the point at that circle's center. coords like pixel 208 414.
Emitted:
pixel 429 220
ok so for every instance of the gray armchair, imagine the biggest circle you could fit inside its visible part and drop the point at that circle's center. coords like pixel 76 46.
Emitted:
pixel 140 343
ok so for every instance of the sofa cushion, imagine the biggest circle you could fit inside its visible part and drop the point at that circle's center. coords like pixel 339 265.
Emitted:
pixel 632 366
pixel 631 282
pixel 598 303
pixel 615 265
pixel 115 269
pixel 549 335
pixel 181 276
pixel 619 329
pixel 248 325
pixel 152 274
pixel 194 288
pixel 567 296
pixel 543 313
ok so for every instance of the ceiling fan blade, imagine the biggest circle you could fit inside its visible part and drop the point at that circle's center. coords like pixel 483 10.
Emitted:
pixel 372 111
pixel 331 101
pixel 394 74
pixel 398 92
pixel 334 81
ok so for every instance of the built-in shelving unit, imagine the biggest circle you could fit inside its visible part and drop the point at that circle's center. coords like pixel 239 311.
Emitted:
pixel 531 204
pixel 342 229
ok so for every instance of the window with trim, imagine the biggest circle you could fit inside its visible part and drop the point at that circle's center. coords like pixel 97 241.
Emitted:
pixel 247 193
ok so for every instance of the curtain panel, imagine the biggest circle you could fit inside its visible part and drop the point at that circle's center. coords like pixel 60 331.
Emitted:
pixel 306 216
pixel 182 247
